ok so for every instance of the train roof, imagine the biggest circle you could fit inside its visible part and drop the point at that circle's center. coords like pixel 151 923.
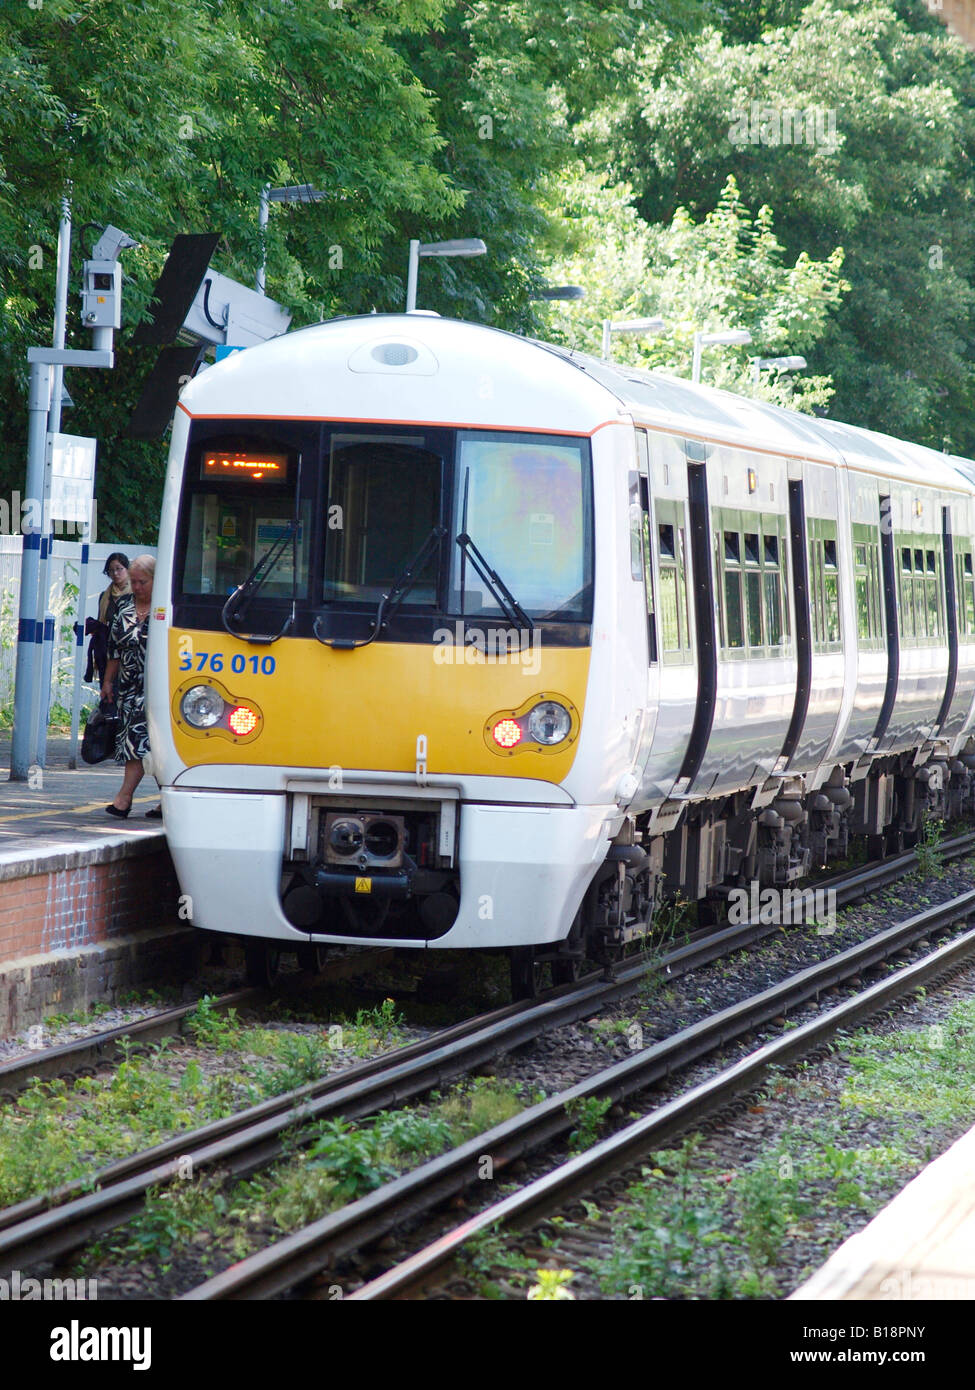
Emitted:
pixel 744 422
pixel 292 376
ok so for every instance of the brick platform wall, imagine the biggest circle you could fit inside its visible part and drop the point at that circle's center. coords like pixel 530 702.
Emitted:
pixel 64 900
pixel 78 926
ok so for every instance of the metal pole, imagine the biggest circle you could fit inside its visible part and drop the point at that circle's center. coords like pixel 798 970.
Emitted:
pixel 60 310
pixel 44 498
pixel 696 367
pixel 262 225
pixel 28 650
pixel 79 650
pixel 45 668
pixel 414 267
pixel 607 335
pixel 756 370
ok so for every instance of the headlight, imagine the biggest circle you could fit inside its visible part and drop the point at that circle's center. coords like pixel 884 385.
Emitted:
pixel 202 706
pixel 549 722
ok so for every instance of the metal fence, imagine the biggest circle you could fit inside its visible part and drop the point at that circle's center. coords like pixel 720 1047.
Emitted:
pixel 63 601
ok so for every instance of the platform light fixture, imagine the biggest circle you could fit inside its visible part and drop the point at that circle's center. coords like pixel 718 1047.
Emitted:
pixel 725 336
pixel 777 364
pixel 559 292
pixel 464 246
pixel 611 326
pixel 293 193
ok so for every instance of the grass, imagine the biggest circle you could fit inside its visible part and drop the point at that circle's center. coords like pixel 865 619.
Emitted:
pixel 691 1229
pixel 930 861
pixel 57 1131
pixel 344 1160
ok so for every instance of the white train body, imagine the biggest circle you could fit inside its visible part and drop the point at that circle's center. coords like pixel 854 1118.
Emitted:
pixel 746 632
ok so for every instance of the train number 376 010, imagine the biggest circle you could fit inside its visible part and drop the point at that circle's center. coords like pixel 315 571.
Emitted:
pixel 214 661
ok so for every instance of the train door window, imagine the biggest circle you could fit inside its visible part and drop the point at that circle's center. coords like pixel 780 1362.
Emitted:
pixel 931 594
pixel 824 581
pixel 734 627
pixel 907 614
pixel 641 553
pixel 965 586
pixel 674 629
pixel 753 588
pixel 773 558
pixel 866 585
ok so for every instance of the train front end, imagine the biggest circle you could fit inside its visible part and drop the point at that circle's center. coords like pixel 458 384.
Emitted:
pixel 370 672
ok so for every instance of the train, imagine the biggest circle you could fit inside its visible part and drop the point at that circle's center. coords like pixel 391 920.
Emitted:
pixel 467 641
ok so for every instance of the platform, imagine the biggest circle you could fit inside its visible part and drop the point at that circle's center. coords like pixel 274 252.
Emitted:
pixel 78 889
pixel 921 1246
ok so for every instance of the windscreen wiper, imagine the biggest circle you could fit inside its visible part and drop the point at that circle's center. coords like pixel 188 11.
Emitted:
pixel 505 599
pixel 240 600
pixel 392 599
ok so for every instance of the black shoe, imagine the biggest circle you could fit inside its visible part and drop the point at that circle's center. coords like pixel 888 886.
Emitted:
pixel 154 814
pixel 114 811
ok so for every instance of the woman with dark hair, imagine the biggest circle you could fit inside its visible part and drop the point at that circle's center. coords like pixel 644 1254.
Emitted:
pixel 125 672
pixel 117 570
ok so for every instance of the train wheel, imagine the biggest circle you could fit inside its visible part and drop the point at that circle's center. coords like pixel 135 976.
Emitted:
pixel 527 973
pixel 313 958
pixel 261 964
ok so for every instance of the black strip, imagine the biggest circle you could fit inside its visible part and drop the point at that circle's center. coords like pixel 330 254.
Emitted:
pixel 950 614
pixel 699 527
pixel 800 587
pixel 202 613
pixel 890 609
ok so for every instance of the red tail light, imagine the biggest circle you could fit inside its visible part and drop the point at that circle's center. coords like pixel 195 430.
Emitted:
pixel 242 720
pixel 506 733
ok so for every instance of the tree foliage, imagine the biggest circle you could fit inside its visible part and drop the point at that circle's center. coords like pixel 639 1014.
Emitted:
pixel 726 271
pixel 589 140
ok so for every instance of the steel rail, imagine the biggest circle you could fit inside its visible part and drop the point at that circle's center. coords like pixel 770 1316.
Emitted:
pixel 579 1175
pixel 55 1222
pixel 279 1267
pixel 489 1035
pixel 98 1049
pixel 48 1225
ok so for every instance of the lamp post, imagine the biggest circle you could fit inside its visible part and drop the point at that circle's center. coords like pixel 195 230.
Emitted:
pixel 703 340
pixel 628 326
pixel 469 246
pixel 294 193
pixel 780 364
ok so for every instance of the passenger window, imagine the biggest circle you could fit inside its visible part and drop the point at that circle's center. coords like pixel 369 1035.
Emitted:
pixel 672 607
pixel 753 609
pixel 824 583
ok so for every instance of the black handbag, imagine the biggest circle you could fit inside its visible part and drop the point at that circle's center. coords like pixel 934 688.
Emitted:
pixel 98 742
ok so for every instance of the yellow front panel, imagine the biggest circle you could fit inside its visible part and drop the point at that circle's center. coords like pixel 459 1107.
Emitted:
pixel 367 708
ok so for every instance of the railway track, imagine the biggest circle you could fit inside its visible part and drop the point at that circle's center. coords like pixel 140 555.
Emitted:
pixel 306 1253
pixel 82 1056
pixel 50 1225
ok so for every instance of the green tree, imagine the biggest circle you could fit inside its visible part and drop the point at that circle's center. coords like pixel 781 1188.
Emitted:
pixel 166 116
pixel 726 271
pixel 893 186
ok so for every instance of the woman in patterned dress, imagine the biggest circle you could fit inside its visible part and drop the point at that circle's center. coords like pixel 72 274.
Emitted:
pixel 126 669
